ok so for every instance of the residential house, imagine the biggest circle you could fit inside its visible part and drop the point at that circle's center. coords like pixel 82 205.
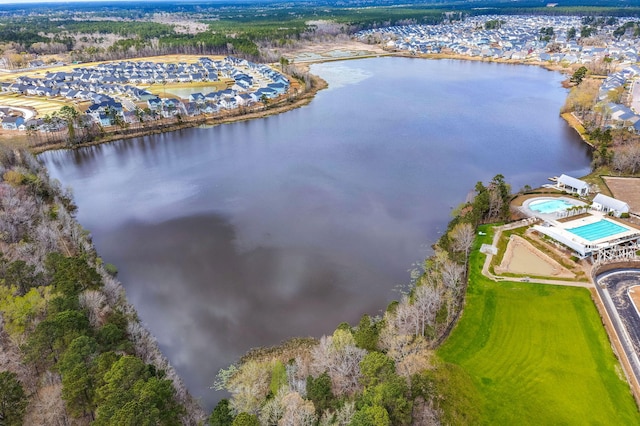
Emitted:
pixel 12 122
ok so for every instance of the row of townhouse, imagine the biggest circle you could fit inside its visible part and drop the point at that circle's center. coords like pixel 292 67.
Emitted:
pixel 51 87
pixel 102 83
pixel 212 102
pixel 517 37
pixel 17 122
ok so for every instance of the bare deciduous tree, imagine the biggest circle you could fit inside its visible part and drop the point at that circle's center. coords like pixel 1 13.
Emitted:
pixel 297 376
pixel 47 407
pixel 463 235
pixel 341 417
pixel 249 387
pixel 94 303
pixel 273 410
pixel 427 301
pixel 297 411
pixel 627 159
pixel 340 358
pixel 452 275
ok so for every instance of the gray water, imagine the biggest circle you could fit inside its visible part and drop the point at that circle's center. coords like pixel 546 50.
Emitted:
pixel 242 235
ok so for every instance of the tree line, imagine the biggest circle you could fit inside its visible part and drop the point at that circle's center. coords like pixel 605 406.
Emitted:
pixel 229 31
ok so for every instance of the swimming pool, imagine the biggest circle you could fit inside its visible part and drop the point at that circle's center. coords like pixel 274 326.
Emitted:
pixel 549 206
pixel 601 229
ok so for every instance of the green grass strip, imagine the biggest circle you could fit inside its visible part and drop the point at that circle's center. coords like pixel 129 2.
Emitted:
pixel 538 354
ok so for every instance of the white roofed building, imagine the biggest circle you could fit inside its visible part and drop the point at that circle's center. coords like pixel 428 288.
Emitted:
pixel 572 185
pixel 608 204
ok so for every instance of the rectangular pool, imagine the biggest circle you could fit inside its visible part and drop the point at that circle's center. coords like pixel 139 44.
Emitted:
pixel 597 230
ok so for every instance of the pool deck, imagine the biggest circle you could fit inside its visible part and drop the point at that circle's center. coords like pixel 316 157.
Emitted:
pixel 549 217
pixel 557 224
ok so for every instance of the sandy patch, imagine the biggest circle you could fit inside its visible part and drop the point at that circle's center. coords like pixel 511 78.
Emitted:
pixel 626 189
pixel 341 49
pixel 181 24
pixel 521 257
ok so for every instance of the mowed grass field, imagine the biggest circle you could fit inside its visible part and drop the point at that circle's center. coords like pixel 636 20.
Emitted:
pixel 538 354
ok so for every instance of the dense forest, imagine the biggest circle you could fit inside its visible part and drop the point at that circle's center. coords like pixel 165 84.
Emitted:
pixel 115 31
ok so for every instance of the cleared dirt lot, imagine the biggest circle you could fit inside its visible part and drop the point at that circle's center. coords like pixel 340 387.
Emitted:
pixel 625 189
pixel 521 257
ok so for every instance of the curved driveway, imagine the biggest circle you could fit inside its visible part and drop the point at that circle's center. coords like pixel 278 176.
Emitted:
pixel 26 112
pixel 613 288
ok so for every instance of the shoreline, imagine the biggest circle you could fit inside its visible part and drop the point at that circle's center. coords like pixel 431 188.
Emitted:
pixel 285 105
pixel 281 106
pixel 576 125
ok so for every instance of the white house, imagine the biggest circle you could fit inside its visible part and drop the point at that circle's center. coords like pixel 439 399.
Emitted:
pixel 608 204
pixel 572 185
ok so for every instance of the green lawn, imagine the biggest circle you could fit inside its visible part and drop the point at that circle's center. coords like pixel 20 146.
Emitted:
pixel 538 355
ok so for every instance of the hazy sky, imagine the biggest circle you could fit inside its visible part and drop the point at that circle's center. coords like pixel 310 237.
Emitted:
pixel 7 2
pixel 51 1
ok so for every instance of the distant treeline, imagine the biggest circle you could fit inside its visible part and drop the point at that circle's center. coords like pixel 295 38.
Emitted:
pixel 229 30
pixel 238 28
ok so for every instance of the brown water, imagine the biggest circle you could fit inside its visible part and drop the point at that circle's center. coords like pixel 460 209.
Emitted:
pixel 243 235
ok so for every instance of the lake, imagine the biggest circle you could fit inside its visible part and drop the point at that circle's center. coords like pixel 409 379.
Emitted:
pixel 245 234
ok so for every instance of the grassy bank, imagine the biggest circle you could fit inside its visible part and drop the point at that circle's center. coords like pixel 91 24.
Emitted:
pixel 577 126
pixel 538 354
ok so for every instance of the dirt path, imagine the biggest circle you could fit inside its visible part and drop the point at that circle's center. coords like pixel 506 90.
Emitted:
pixel 626 189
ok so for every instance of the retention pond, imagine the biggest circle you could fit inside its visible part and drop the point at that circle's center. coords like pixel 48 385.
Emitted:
pixel 242 235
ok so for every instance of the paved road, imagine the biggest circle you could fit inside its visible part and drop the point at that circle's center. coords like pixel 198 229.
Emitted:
pixel 128 104
pixel 613 288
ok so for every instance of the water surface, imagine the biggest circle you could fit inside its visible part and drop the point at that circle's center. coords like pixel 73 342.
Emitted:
pixel 245 234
